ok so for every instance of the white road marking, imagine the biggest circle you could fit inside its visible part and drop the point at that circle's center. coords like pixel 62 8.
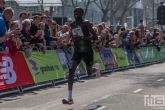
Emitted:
pixel 100 108
pixel 138 90
pixel 160 80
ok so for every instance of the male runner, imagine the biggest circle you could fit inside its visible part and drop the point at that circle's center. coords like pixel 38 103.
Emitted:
pixel 82 48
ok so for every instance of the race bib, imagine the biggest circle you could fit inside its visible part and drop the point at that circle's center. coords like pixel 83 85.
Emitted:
pixel 77 32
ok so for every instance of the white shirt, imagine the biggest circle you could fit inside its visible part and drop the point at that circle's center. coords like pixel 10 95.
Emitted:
pixel 19 24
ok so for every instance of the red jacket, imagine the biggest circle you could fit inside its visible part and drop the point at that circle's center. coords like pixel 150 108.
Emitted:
pixel 12 49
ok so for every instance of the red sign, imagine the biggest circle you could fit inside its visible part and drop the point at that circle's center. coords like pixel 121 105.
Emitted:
pixel 14 71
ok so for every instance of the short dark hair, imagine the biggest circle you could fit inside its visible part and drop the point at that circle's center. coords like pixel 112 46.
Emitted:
pixel 122 29
pixel 22 13
pixel 2 1
pixel 82 11
pixel 35 17
pixel 141 20
pixel 43 16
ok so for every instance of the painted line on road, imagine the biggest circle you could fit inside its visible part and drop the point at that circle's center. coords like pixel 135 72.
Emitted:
pixel 160 80
pixel 138 90
pixel 99 108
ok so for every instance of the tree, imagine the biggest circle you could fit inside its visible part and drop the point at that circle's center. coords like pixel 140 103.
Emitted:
pixel 85 3
pixel 126 5
pixel 106 6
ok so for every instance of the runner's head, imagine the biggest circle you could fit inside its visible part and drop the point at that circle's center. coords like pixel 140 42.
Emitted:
pixel 78 13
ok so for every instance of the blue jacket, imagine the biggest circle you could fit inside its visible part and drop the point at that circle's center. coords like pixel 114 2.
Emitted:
pixel 123 37
pixel 3 29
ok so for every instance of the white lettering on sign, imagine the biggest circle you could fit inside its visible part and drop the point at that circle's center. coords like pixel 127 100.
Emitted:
pixel 7 72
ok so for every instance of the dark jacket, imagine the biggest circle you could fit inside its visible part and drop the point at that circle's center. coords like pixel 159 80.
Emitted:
pixel 33 29
pixel 47 36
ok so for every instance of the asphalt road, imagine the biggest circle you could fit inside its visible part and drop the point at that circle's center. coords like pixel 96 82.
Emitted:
pixel 122 90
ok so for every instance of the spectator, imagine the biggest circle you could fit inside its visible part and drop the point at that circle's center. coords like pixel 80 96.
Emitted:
pixel 95 29
pixel 103 24
pixel 154 33
pixel 98 46
pixel 14 44
pixel 104 41
pixel 138 33
pixel 43 19
pixel 134 29
pixel 2 5
pixel 29 41
pixel 42 27
pixel 28 15
pixel 132 35
pixel 42 45
pixel 65 44
pixel 118 39
pixel 22 17
pixel 46 13
pixel 118 27
pixel 13 25
pixel 69 21
pixel 148 39
pixel 34 25
pixel 4 19
pixel 129 47
pixel 47 36
pixel 100 29
pixel 140 25
pixel 53 29
pixel 63 37
pixel 111 28
pixel 125 33
pixel 92 24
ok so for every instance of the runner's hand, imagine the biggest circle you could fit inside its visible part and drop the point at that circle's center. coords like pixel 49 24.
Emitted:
pixel 76 38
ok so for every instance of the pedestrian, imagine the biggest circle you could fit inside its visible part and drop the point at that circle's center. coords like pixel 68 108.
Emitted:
pixel 82 49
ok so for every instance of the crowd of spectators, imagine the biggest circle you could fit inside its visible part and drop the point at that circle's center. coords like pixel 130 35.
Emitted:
pixel 42 31
pixel 126 38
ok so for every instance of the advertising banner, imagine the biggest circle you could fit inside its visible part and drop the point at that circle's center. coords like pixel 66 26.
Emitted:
pixel 132 58
pixel 108 59
pixel 14 71
pixel 120 57
pixel 81 69
pixel 147 54
pixel 45 67
pixel 97 59
pixel 160 54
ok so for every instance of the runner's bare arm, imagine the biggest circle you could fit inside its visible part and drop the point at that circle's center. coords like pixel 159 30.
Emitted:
pixel 94 36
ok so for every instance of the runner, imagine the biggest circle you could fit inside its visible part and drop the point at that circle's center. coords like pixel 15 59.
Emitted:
pixel 81 32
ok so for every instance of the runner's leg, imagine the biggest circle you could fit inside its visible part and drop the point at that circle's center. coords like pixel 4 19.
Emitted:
pixel 75 62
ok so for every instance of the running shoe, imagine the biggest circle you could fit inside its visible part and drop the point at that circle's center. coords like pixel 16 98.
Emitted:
pixel 67 101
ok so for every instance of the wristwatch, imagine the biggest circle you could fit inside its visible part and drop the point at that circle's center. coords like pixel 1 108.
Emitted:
pixel 82 37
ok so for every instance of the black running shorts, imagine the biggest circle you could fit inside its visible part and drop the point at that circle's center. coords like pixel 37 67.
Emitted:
pixel 87 57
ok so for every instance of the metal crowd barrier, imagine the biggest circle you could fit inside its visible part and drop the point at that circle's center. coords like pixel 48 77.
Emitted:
pixel 21 89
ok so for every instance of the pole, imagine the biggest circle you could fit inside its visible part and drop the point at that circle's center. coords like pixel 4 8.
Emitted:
pixel 153 14
pixel 42 7
pixel 62 12
pixel 92 14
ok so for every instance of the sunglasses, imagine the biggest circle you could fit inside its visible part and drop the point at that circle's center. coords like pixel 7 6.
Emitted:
pixel 53 24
